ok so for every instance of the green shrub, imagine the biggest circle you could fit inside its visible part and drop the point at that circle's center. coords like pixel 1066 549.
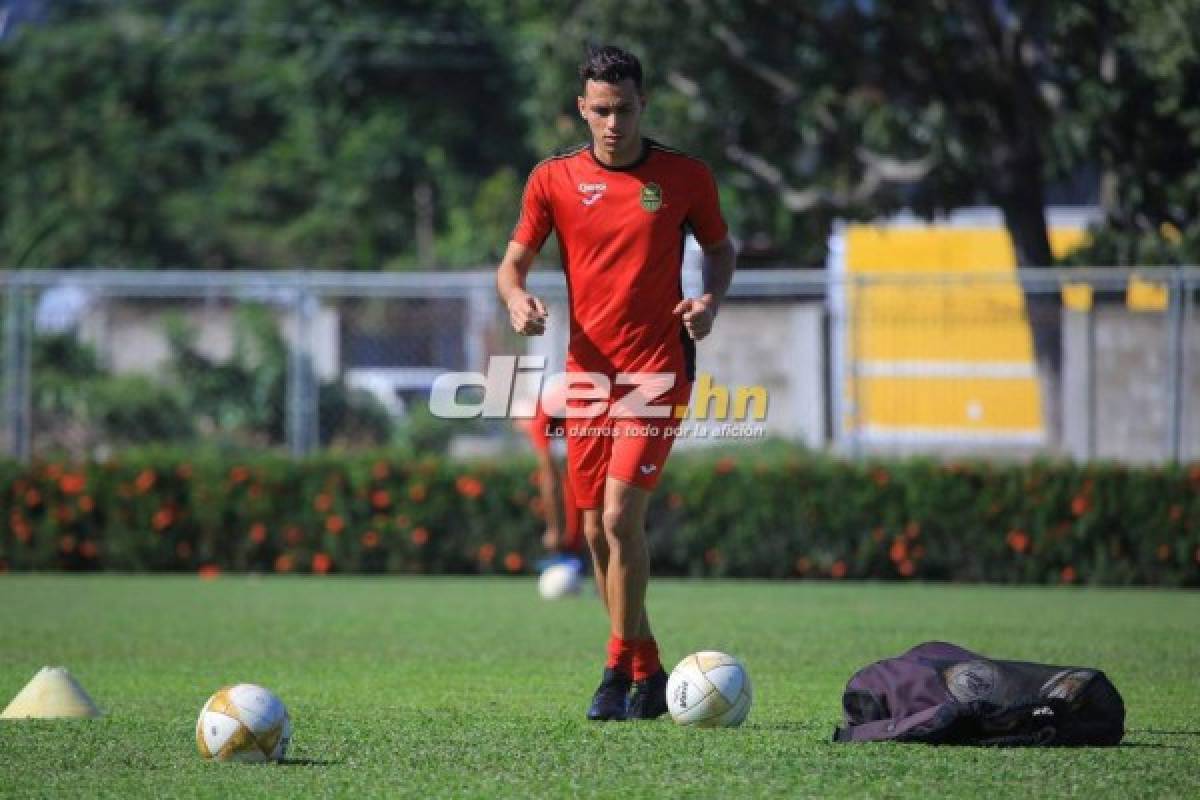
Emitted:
pixel 766 513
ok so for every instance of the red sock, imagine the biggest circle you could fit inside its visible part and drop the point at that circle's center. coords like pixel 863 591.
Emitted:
pixel 645 659
pixel 620 654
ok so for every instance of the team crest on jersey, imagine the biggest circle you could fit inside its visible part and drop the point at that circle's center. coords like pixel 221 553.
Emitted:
pixel 652 199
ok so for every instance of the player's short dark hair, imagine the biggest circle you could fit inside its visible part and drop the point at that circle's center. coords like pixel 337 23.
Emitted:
pixel 609 64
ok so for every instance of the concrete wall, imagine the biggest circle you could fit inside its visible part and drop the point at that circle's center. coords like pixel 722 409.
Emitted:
pixel 1116 397
pixel 780 347
pixel 131 336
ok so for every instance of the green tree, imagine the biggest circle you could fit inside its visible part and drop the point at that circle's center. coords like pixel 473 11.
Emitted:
pixel 276 134
pixel 1143 114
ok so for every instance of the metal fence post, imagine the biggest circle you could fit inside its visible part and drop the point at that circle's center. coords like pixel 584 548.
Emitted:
pixel 17 357
pixel 1175 321
pixel 857 287
pixel 302 391
pixel 1190 401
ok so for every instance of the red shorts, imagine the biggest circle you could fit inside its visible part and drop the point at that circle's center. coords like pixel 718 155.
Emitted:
pixel 633 449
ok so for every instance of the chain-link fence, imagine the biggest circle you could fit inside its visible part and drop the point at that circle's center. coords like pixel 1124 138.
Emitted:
pixel 1080 363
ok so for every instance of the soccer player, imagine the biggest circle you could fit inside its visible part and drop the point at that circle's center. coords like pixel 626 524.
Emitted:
pixel 563 533
pixel 620 206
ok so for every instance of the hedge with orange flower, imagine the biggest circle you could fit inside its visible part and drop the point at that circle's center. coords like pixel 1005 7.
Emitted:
pixel 766 512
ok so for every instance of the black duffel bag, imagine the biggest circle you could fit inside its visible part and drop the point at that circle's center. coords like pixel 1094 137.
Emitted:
pixel 940 693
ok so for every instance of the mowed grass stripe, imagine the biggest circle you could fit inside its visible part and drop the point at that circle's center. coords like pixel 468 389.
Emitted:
pixel 476 687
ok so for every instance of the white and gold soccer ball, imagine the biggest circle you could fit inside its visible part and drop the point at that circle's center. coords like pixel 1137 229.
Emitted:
pixel 559 580
pixel 243 723
pixel 709 690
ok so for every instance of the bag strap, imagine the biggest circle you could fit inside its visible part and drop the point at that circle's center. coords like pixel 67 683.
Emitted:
pixel 887 729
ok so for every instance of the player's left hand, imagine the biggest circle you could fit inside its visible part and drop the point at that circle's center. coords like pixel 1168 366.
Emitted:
pixel 698 314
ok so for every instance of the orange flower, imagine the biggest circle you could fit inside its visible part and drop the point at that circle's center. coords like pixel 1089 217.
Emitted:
pixel 379 470
pixel 1080 505
pixel 67 544
pixel 184 471
pixel 724 466
pixel 209 572
pixel 487 552
pixel 163 518
pixel 881 476
pixel 321 563
pixel 1164 552
pixel 1068 574
pixel 898 551
pixel 72 483
pixel 420 537
pixel 838 570
pixel 912 530
pixel 53 471
pixel 417 493
pixel 674 500
pixel 258 533
pixel 469 487
pixel 145 481
pixel 380 499
pixel 322 503
pixel 283 563
pixel 238 474
pixel 88 549
pixel 184 550
pixel 293 535
pixel 33 497
pixel 87 504
pixel 803 565
pixel 1017 540
pixel 21 529
pixel 906 568
pixel 513 562
pixel 335 525
pixel 370 540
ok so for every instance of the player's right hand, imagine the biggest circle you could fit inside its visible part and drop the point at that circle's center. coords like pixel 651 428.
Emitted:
pixel 527 313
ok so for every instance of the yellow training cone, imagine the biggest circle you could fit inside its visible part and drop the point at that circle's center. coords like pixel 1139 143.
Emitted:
pixel 51 693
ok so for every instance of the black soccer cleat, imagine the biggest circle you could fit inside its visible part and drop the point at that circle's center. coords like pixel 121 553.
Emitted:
pixel 609 701
pixel 649 697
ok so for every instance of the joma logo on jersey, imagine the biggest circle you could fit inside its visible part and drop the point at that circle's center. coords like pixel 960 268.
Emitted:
pixel 592 192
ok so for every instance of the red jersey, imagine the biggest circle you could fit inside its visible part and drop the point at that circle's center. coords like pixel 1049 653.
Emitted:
pixel 621 232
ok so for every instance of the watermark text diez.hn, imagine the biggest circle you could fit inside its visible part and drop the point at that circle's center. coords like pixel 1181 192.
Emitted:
pixel 513 386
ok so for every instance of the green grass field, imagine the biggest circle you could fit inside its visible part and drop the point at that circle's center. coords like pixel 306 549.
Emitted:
pixel 477 687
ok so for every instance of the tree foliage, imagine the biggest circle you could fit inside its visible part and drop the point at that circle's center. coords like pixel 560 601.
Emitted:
pixel 364 134
pixel 274 134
